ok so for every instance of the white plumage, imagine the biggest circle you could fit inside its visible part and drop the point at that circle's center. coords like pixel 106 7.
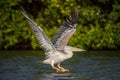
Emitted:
pixel 56 51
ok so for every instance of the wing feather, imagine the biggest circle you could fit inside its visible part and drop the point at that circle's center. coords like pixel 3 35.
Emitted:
pixel 66 31
pixel 39 34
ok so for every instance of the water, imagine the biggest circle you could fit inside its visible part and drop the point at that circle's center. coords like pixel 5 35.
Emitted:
pixel 90 65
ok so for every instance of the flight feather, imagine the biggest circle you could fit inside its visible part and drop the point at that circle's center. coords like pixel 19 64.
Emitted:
pixel 66 30
pixel 39 34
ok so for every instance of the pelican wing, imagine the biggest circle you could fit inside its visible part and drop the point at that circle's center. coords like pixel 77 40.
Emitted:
pixel 39 34
pixel 66 31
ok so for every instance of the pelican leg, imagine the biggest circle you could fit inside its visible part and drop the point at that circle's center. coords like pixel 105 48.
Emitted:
pixel 62 69
pixel 57 69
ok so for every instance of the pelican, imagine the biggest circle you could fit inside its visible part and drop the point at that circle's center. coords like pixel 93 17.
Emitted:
pixel 56 51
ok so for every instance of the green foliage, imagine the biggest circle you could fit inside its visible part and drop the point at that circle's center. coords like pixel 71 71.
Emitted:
pixel 98 27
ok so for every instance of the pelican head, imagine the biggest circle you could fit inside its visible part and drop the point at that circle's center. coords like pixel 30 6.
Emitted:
pixel 73 49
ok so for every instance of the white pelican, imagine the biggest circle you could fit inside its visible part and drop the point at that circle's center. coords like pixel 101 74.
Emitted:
pixel 56 51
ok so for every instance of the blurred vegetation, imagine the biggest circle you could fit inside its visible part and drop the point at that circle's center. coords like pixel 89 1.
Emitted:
pixel 98 27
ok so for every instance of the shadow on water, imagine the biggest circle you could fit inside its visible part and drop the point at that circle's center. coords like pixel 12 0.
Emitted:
pixel 92 65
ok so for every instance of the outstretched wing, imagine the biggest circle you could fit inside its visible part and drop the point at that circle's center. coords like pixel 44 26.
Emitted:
pixel 39 34
pixel 66 30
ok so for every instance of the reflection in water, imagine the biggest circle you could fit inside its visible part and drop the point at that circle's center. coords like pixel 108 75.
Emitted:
pixel 56 76
pixel 23 65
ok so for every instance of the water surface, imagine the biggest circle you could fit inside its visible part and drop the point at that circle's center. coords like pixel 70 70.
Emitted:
pixel 90 65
